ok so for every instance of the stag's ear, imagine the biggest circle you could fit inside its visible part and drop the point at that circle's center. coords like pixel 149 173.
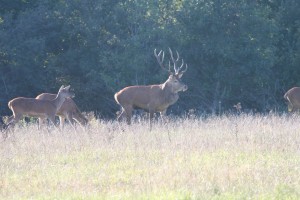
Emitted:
pixel 68 87
pixel 179 75
pixel 61 87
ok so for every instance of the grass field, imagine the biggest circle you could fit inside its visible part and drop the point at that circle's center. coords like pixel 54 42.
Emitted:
pixel 228 157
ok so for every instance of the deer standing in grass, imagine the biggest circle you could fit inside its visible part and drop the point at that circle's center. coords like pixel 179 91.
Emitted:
pixel 293 99
pixel 43 109
pixel 153 98
pixel 68 110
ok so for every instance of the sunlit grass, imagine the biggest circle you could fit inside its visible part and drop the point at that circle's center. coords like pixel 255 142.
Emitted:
pixel 228 157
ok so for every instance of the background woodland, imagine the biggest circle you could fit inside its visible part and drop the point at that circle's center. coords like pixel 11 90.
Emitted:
pixel 244 51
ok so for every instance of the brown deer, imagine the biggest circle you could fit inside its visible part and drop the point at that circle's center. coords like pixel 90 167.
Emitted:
pixel 68 110
pixel 293 99
pixel 153 98
pixel 22 106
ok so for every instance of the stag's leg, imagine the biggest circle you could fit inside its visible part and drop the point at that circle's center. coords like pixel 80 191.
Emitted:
pixel 151 115
pixel 17 118
pixel 128 111
pixel 164 120
pixel 121 115
pixel 40 121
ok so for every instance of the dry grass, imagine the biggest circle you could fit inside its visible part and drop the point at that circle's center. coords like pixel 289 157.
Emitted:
pixel 229 157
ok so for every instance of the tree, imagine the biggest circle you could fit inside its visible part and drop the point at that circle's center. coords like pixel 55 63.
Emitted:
pixel 232 42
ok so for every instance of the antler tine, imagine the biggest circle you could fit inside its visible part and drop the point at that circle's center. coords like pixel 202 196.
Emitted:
pixel 177 56
pixel 182 63
pixel 159 53
pixel 186 67
pixel 170 66
pixel 160 59
pixel 171 53
pixel 163 55
pixel 176 69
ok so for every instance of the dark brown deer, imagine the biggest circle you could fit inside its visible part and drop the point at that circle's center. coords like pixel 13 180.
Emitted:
pixel 68 110
pixel 153 98
pixel 22 106
pixel 293 99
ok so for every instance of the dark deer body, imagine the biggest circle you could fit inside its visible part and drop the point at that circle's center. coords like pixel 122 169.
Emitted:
pixel 68 110
pixel 152 98
pixel 293 99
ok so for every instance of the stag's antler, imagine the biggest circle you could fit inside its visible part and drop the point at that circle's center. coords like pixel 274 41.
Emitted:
pixel 177 69
pixel 182 72
pixel 160 60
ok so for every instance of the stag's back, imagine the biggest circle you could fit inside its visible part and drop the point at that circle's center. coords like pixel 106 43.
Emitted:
pixel 138 96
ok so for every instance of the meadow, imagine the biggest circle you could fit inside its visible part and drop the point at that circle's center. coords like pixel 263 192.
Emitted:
pixel 219 157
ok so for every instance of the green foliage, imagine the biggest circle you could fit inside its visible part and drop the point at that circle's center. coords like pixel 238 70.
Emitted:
pixel 237 51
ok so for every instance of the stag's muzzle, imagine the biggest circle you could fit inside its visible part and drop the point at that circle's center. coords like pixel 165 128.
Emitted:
pixel 185 87
pixel 72 95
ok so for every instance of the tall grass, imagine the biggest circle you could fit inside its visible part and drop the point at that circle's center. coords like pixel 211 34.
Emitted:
pixel 227 157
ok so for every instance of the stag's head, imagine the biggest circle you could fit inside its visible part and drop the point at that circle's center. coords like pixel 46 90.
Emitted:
pixel 174 80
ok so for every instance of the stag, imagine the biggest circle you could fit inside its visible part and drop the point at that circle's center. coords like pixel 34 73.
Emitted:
pixel 293 99
pixel 68 110
pixel 42 109
pixel 153 98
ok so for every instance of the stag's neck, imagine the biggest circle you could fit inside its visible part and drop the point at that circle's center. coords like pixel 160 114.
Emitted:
pixel 169 96
pixel 58 101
